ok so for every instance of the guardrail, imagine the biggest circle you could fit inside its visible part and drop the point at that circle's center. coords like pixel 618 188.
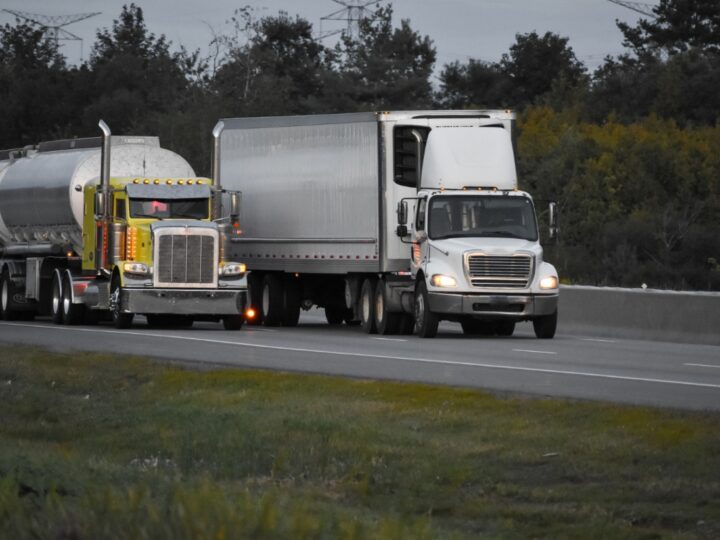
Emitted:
pixel 684 317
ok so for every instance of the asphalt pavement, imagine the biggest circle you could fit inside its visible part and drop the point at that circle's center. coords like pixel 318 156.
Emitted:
pixel 653 373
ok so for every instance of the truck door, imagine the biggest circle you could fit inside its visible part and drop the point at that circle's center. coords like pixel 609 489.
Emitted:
pixel 419 247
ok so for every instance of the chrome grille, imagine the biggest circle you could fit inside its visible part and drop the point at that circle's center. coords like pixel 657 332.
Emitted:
pixel 514 271
pixel 185 259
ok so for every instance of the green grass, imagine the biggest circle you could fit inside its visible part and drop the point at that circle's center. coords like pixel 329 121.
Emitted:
pixel 100 446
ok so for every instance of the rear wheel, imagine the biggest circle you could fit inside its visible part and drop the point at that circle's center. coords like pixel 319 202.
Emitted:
pixel 367 311
pixel 71 313
pixel 120 320
pixel 386 322
pixel 4 295
pixel 426 322
pixel 272 300
pixel 56 299
pixel 545 326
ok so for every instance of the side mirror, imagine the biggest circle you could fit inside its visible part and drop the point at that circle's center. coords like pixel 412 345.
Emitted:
pixel 553 220
pixel 402 212
pixel 234 205
pixel 99 204
pixel 402 230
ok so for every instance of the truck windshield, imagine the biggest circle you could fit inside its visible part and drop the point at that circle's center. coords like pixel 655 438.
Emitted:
pixel 487 216
pixel 169 208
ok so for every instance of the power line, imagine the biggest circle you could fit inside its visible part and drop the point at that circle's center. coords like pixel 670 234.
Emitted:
pixel 53 25
pixel 638 7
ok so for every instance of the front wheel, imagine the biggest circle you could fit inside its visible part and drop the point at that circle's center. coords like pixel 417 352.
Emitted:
pixel 120 320
pixel 545 326
pixel 426 322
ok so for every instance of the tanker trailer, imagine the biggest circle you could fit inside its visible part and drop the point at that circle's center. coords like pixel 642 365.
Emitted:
pixel 81 244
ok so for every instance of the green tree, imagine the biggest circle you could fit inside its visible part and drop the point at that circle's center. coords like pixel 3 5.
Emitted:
pixel 474 84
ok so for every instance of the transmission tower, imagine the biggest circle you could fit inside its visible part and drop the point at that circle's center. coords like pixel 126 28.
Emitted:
pixel 53 25
pixel 639 7
pixel 352 12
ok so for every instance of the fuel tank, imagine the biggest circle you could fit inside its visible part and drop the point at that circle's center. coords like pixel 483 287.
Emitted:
pixel 41 193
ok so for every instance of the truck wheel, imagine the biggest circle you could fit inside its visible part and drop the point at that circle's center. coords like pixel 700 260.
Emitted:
pixel 386 322
pixel 426 322
pixel 291 302
pixel 120 320
pixel 367 311
pixel 233 322
pixel 56 300
pixel 545 326
pixel 505 328
pixel 255 289
pixel 71 313
pixel 272 300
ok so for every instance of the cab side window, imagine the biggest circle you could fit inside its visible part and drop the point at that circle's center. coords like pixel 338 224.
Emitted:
pixel 420 216
pixel 120 208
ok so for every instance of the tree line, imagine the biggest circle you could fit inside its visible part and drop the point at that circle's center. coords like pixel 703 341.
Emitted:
pixel 631 151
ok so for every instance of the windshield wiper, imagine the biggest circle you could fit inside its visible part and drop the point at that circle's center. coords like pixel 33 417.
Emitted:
pixel 503 233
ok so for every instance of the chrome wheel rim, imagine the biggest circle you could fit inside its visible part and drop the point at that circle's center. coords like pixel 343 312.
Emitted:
pixel 366 307
pixel 4 295
pixel 56 297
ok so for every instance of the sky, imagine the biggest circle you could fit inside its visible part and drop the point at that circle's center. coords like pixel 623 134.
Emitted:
pixel 460 29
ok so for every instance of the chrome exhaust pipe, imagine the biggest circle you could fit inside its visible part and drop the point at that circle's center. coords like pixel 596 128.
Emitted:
pixel 105 167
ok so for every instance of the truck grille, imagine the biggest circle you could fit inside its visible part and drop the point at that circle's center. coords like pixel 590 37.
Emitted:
pixel 500 271
pixel 185 260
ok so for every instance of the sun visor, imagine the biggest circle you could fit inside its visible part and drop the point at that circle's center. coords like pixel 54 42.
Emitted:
pixel 164 191
pixel 472 156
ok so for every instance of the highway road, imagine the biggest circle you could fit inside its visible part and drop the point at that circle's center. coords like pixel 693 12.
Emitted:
pixel 574 366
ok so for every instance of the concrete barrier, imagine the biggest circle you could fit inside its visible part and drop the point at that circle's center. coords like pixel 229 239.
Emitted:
pixel 684 317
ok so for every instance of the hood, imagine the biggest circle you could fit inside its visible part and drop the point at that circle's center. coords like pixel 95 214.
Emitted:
pixel 493 246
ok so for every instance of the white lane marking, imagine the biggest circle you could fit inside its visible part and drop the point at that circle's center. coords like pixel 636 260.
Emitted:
pixel 389 339
pixel 534 352
pixel 599 340
pixel 702 365
pixel 377 356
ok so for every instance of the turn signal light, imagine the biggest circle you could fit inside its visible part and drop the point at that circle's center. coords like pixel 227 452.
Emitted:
pixel 250 313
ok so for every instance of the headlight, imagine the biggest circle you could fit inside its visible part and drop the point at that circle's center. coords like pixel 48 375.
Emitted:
pixel 232 269
pixel 440 280
pixel 550 282
pixel 137 268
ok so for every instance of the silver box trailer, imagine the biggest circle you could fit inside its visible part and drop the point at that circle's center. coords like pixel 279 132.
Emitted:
pixel 325 199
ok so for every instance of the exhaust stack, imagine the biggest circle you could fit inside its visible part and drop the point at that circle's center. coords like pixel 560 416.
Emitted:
pixel 105 168
pixel 217 183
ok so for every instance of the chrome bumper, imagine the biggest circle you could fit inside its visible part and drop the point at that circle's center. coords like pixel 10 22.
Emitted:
pixel 489 305
pixel 184 301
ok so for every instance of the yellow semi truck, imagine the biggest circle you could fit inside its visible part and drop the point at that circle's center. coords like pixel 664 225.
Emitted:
pixel 111 227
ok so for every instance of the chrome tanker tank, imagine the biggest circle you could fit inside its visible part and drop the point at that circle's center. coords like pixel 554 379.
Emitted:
pixel 41 192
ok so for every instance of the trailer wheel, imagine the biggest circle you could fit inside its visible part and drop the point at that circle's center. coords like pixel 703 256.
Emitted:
pixel 272 300
pixel 426 322
pixel 545 326
pixel 4 295
pixel 71 313
pixel 367 310
pixel 120 320
pixel 386 322
pixel 56 299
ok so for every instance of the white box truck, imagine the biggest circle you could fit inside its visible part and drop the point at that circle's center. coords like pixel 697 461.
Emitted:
pixel 395 220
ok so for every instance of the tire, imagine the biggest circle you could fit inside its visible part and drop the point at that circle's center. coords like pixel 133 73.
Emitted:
pixel 4 295
pixel 291 302
pixel 386 322
pixel 56 299
pixel 233 322
pixel 255 288
pixel 272 300
pixel 120 320
pixel 72 314
pixel 367 311
pixel 545 326
pixel 426 322
pixel 505 328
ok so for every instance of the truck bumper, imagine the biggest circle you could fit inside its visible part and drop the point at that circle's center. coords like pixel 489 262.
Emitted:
pixel 518 307
pixel 185 301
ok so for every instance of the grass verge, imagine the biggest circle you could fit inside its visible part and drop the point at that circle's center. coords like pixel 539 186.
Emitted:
pixel 101 446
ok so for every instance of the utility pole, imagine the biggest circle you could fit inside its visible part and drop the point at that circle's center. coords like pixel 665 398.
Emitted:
pixel 53 25
pixel 352 12
pixel 638 7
